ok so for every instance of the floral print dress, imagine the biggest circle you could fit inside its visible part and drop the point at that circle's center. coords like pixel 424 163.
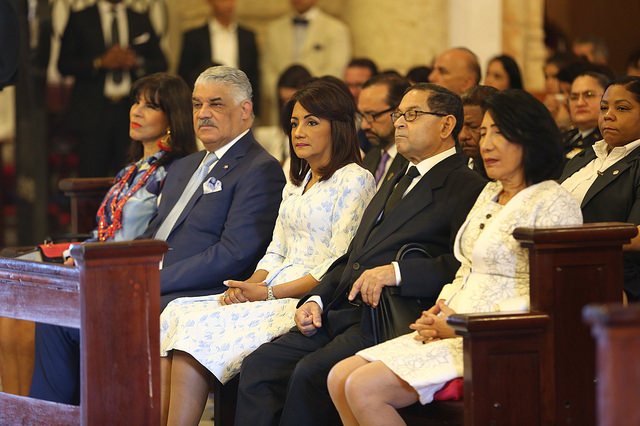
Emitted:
pixel 313 229
pixel 493 277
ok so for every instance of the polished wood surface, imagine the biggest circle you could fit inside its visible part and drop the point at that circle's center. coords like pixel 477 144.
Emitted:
pixel 113 296
pixel 616 330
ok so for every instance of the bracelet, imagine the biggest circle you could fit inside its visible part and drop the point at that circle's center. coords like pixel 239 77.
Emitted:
pixel 270 295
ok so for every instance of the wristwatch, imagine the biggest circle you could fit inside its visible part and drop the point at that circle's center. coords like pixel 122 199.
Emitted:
pixel 270 295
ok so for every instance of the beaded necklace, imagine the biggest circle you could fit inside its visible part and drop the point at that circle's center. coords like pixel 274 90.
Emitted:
pixel 115 207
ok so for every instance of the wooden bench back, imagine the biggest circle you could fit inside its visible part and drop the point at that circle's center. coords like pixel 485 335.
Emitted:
pixel 538 367
pixel 113 297
pixel 85 195
pixel 616 330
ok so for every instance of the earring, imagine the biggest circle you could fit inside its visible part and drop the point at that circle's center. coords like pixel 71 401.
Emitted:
pixel 165 142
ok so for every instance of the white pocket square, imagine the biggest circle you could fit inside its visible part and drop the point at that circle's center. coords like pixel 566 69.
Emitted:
pixel 211 185
pixel 141 39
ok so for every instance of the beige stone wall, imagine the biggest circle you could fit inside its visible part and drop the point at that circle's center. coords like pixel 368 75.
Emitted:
pixel 393 36
pixel 523 38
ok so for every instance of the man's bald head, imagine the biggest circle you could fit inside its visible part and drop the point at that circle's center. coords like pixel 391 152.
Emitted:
pixel 456 69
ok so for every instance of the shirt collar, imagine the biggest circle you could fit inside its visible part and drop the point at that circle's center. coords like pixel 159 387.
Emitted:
pixel 217 26
pixel 600 148
pixel 223 149
pixel 309 15
pixel 106 7
pixel 392 150
pixel 427 164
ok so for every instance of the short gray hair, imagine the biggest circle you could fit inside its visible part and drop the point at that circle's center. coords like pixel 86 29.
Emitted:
pixel 233 77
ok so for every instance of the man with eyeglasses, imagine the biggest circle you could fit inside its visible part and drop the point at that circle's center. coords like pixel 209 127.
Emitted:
pixel 379 97
pixel 285 381
pixel 584 108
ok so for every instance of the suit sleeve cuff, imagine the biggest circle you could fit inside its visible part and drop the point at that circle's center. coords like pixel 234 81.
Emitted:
pixel 396 268
pixel 316 299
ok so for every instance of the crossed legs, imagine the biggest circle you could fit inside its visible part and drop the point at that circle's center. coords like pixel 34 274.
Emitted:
pixel 368 393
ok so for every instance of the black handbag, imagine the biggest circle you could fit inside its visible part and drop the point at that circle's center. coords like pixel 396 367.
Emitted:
pixel 394 313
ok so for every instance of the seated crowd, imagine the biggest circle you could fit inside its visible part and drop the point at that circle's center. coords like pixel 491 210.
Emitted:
pixel 270 278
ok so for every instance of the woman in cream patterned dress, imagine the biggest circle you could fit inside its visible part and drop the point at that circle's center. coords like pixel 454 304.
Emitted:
pixel 521 149
pixel 320 211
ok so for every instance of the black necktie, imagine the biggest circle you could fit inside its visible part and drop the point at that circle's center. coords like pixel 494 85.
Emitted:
pixel 399 190
pixel 115 39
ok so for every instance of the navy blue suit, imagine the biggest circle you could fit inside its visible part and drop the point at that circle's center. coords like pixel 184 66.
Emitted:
pixel 220 235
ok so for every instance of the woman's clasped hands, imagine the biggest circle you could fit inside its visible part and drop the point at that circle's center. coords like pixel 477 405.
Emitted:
pixel 243 291
pixel 432 325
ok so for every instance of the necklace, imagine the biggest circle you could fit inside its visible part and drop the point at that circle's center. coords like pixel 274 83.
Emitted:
pixel 116 206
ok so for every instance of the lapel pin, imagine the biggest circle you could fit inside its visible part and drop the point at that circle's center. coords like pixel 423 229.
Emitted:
pixel 600 173
pixel 226 166
pixel 615 172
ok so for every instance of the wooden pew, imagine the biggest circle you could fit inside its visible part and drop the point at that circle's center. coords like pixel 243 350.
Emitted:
pixel 113 296
pixel 85 195
pixel 537 368
pixel 616 330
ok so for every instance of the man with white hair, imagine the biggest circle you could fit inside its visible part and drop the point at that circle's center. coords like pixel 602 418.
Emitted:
pixel 217 212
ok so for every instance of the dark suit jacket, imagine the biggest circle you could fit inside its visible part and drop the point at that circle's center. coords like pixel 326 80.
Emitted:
pixel 372 159
pixel 613 197
pixel 83 42
pixel 569 142
pixel 220 235
pixel 196 55
pixel 430 214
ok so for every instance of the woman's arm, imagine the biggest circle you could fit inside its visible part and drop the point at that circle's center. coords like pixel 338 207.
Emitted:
pixel 252 291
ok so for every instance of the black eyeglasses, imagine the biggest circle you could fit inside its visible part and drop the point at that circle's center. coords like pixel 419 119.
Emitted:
pixel 371 117
pixel 412 114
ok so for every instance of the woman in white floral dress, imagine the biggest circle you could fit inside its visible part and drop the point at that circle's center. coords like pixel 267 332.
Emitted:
pixel 521 150
pixel 209 336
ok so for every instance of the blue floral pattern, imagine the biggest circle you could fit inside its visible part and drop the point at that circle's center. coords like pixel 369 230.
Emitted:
pixel 493 277
pixel 142 205
pixel 312 230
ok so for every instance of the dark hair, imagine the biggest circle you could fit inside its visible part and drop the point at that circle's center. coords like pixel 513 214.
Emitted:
pixel 396 87
pixel 629 82
pixel 172 95
pixel 476 96
pixel 525 121
pixel 364 63
pixel 600 50
pixel 295 77
pixel 575 69
pixel 601 79
pixel 419 74
pixel 330 101
pixel 633 59
pixel 511 68
pixel 560 59
pixel 443 101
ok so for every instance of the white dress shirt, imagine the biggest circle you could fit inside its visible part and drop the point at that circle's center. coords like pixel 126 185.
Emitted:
pixel 423 167
pixel 111 88
pixel 224 43
pixel 579 183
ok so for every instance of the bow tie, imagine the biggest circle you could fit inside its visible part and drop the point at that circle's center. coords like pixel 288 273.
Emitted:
pixel 299 20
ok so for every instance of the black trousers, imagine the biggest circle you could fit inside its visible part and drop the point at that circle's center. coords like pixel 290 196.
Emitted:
pixel 285 381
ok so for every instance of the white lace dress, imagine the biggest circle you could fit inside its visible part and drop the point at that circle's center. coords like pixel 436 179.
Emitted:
pixel 312 230
pixel 493 277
